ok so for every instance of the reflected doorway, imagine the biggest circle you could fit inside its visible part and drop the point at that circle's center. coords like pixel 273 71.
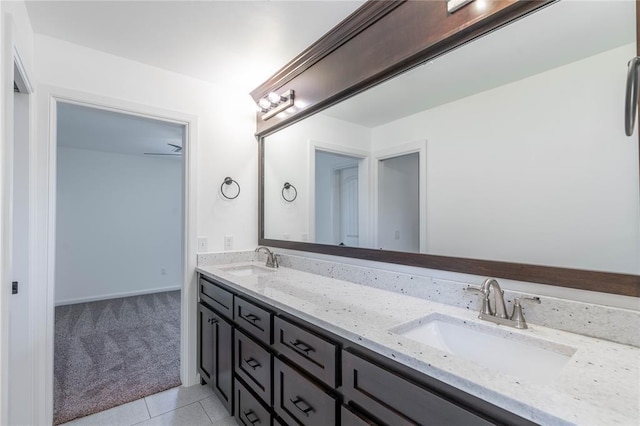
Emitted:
pixel 399 203
pixel 337 198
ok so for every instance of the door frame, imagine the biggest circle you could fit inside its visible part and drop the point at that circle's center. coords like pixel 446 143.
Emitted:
pixel 420 147
pixel 48 98
pixel 364 219
pixel 12 69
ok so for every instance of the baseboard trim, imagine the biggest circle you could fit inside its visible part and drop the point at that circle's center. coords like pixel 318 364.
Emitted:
pixel 115 295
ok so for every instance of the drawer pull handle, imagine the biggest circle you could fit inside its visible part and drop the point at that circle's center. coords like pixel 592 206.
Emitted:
pixel 302 405
pixel 252 318
pixel 212 320
pixel 253 419
pixel 302 347
pixel 252 363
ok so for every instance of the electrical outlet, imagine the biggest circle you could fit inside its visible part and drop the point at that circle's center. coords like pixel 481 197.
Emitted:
pixel 304 237
pixel 228 242
pixel 163 271
pixel 202 244
pixel 286 236
pixel 396 235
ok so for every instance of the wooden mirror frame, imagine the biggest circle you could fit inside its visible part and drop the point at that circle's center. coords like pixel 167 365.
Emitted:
pixel 379 41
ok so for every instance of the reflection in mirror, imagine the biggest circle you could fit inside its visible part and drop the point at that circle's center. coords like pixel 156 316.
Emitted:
pixel 336 189
pixel 398 203
pixel 511 148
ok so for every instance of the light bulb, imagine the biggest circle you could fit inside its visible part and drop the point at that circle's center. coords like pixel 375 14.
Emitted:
pixel 264 103
pixel 274 97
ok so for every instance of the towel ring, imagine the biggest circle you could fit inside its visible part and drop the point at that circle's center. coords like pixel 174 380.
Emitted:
pixel 287 186
pixel 229 181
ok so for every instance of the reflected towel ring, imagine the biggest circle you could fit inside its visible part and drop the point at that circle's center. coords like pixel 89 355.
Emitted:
pixel 229 181
pixel 287 186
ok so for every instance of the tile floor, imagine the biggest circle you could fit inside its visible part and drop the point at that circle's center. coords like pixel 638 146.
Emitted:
pixel 193 406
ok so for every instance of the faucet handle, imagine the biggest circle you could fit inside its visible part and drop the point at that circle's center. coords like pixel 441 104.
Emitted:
pixel 517 314
pixel 534 299
pixel 486 306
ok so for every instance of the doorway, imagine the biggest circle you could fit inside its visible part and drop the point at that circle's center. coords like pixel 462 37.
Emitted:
pixel 119 257
pixel 399 203
pixel 337 198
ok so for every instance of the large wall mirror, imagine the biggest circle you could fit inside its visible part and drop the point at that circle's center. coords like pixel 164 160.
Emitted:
pixel 509 149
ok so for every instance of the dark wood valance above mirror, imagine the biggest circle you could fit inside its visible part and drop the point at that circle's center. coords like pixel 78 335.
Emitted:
pixel 380 41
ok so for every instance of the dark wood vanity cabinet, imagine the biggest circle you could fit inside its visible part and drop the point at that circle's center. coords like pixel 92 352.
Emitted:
pixel 215 352
pixel 269 367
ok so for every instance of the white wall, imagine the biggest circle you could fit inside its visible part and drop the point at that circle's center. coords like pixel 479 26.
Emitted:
pixel 399 203
pixel 118 225
pixel 288 159
pixel 486 178
pixel 225 130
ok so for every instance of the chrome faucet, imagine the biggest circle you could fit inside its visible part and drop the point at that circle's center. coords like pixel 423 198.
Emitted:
pixel 272 258
pixel 499 315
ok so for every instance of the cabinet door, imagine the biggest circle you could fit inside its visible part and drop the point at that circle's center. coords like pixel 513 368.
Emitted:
pixel 215 354
pixel 205 343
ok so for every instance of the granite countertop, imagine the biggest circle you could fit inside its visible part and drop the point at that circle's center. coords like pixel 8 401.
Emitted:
pixel 599 385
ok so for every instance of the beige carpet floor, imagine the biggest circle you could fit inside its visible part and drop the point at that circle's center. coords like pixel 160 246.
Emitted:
pixel 114 351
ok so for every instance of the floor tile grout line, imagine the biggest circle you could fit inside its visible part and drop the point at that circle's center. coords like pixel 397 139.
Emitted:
pixel 147 405
pixel 205 411
pixel 176 409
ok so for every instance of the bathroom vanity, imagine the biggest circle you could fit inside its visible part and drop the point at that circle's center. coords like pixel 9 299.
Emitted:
pixel 307 349
pixel 512 111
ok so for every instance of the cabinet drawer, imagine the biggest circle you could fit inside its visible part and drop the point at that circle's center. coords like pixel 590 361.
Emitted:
pixel 349 417
pixel 253 365
pixel 216 297
pixel 309 351
pixel 396 401
pixel 249 411
pixel 254 320
pixel 298 401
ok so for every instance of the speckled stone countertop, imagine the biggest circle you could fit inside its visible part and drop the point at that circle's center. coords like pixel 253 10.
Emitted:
pixel 600 384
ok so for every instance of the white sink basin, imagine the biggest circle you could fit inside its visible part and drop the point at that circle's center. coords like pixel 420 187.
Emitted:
pixel 247 270
pixel 525 357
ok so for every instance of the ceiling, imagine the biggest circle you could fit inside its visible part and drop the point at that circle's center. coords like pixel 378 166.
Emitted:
pixel 96 129
pixel 233 43
pixel 561 33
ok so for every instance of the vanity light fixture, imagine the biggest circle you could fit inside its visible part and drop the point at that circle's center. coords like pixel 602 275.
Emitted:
pixel 273 104
pixel 453 5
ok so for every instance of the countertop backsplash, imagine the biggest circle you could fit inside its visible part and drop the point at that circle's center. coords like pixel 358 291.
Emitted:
pixel 603 322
